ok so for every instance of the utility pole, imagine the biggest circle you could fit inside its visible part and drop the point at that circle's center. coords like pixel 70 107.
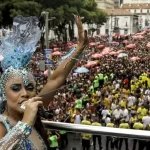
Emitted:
pixel 47 39
pixel 46 14
pixel 110 35
pixel 47 36
pixel 46 30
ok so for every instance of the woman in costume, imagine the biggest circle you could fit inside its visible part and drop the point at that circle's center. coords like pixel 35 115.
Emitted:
pixel 21 129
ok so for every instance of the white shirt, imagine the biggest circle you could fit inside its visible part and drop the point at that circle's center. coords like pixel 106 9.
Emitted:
pixel 87 105
pixel 114 83
pixel 146 120
pixel 77 119
pixel 125 114
pixel 57 111
pixel 110 98
pixel 131 101
pixel 107 120
pixel 113 107
pixel 117 113
pixel 98 93
pixel 64 95
pixel 117 86
pixel 147 92
pixel 104 113
pixel 84 117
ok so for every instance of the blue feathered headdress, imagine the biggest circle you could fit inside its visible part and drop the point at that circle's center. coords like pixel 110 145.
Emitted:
pixel 18 47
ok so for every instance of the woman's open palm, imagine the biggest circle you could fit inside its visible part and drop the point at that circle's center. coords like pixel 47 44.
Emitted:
pixel 83 37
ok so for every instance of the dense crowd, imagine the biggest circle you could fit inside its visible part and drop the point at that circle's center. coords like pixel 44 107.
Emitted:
pixel 114 93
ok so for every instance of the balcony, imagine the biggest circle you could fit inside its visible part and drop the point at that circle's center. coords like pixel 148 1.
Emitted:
pixel 96 130
pixel 107 135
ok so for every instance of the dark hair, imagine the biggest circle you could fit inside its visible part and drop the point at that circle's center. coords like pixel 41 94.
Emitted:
pixel 2 106
pixel 40 129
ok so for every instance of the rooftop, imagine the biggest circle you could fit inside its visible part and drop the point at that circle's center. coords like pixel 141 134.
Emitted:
pixel 118 12
pixel 136 6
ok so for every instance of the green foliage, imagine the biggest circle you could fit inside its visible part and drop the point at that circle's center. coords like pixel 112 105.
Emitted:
pixel 63 10
pixel 25 8
pixel 11 8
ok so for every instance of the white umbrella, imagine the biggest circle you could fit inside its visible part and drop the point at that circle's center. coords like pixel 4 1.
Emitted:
pixel 81 70
pixel 122 55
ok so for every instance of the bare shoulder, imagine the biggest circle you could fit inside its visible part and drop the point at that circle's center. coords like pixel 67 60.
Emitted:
pixel 3 130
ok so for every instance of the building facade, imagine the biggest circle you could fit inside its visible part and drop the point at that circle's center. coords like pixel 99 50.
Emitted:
pixel 142 10
pixel 120 21
pixel 105 4
pixel 117 3
pixel 135 1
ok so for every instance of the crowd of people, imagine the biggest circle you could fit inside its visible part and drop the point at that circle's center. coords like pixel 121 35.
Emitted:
pixel 114 93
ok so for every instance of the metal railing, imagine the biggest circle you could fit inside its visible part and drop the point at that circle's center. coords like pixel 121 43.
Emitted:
pixel 97 130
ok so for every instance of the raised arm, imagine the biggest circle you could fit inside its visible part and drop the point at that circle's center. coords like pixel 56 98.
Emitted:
pixel 59 76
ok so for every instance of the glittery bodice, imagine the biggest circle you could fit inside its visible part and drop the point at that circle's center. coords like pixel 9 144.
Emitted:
pixel 21 142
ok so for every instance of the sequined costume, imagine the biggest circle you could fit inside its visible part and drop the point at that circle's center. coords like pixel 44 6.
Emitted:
pixel 17 137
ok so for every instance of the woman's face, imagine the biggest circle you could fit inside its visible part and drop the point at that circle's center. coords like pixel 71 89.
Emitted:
pixel 17 93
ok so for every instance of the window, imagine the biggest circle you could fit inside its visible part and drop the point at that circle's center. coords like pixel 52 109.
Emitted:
pixel 89 31
pixel 146 22
pixel 125 31
pixel 116 22
pixel 134 10
pixel 107 31
pixel 98 31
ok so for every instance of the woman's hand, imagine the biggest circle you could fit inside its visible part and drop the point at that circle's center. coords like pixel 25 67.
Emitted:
pixel 83 38
pixel 31 109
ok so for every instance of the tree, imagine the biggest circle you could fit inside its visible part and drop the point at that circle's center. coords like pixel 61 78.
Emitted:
pixel 63 10
pixel 11 8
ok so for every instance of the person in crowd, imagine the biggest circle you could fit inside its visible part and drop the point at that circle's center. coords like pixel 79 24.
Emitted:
pixel 146 119
pixel 78 117
pixel 138 126
pixel 105 113
pixel 86 137
pixel 96 123
pixel 64 139
pixel 141 111
pixel 133 119
pixel 123 125
pixel 53 140
pixel 113 141
pixel 125 114
pixel 78 101
pixel 117 115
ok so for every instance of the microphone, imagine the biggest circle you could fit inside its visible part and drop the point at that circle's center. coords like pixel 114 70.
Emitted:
pixel 41 112
pixel 45 114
